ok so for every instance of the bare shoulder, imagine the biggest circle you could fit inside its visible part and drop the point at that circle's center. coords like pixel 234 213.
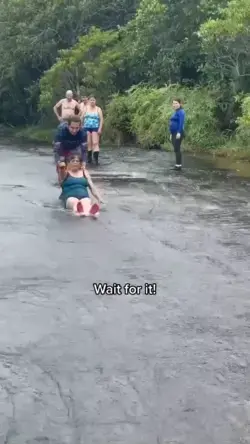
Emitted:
pixel 86 173
pixel 60 102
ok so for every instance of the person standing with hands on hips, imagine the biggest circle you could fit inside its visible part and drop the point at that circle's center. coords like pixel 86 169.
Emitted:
pixel 176 128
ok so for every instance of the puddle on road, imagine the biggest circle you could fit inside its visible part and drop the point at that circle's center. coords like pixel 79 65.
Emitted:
pixel 226 164
pixel 242 169
pixel 150 164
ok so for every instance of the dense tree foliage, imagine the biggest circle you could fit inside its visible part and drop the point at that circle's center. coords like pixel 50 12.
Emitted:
pixel 134 55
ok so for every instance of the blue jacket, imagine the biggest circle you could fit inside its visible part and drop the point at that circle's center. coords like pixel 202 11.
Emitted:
pixel 66 142
pixel 177 121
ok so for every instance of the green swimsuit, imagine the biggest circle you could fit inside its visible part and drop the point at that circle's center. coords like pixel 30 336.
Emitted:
pixel 74 187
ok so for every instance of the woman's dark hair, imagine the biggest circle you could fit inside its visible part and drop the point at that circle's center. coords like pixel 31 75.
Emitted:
pixel 179 101
pixel 72 156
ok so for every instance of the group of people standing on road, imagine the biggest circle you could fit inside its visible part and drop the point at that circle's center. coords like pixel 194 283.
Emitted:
pixel 77 143
pixel 88 114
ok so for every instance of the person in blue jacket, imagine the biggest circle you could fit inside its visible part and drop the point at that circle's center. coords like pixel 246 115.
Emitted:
pixel 176 128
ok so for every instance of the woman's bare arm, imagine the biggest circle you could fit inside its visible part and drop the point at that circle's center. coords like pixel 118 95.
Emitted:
pixel 92 187
pixel 101 119
pixel 62 172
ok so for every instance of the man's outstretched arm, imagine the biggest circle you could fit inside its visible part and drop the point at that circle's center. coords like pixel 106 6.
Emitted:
pixel 58 145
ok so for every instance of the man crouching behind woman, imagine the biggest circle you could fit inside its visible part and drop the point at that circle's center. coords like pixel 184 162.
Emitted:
pixel 75 182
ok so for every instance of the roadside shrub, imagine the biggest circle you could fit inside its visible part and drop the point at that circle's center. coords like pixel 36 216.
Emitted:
pixel 145 112
pixel 118 119
pixel 243 122
pixel 36 134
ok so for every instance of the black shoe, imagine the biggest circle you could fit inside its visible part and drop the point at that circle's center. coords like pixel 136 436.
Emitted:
pixel 89 157
pixel 96 156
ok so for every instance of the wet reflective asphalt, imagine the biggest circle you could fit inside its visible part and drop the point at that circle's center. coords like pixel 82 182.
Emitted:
pixel 165 368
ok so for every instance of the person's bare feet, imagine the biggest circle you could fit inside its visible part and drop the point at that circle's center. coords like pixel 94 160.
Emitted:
pixel 80 207
pixel 94 210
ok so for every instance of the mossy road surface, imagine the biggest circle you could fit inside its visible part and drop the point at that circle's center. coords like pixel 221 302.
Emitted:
pixel 81 368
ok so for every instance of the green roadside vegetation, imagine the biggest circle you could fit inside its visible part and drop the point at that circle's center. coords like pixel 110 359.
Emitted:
pixel 135 57
pixel 35 134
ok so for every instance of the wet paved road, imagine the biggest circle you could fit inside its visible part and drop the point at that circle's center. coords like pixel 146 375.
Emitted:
pixel 77 368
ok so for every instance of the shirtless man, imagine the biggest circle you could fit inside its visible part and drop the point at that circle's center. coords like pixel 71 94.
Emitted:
pixel 68 107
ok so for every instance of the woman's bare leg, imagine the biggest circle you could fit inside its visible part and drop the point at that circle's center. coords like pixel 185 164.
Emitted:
pixel 95 145
pixel 89 141
pixel 95 141
pixel 71 204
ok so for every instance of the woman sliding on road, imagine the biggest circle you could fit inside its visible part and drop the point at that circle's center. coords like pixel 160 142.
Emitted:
pixel 176 128
pixel 75 181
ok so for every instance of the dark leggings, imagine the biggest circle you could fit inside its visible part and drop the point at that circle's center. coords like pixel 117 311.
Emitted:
pixel 177 148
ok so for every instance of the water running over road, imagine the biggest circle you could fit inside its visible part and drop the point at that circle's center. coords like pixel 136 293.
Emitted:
pixel 171 368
